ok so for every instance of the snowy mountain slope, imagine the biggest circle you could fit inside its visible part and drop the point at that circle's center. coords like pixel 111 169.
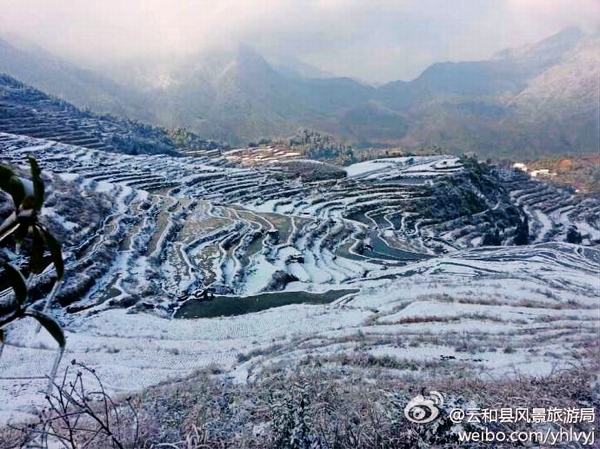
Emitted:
pixel 540 99
pixel 173 228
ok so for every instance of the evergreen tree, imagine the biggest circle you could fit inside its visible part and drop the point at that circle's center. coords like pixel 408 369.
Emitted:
pixel 522 233
pixel 492 238
pixel 573 235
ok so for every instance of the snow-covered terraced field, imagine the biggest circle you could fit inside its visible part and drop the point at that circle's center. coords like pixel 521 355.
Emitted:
pixel 255 225
pixel 555 210
pixel 174 228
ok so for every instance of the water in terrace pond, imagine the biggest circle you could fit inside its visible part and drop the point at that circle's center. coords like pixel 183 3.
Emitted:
pixel 238 305
pixel 382 250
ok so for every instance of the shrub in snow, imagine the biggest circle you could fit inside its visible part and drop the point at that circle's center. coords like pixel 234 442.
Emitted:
pixel 24 227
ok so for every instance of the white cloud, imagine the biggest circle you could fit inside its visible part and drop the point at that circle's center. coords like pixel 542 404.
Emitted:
pixel 539 16
pixel 370 39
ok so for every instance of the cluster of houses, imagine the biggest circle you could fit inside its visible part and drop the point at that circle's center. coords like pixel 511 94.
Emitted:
pixel 542 172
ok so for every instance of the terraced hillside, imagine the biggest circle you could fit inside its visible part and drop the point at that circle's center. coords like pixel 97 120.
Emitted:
pixel 378 265
pixel 28 111
pixel 179 226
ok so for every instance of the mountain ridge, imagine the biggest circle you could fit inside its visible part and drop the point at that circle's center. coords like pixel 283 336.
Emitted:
pixel 28 111
pixel 497 108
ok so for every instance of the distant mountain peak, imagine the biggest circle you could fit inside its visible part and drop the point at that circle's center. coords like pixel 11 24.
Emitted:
pixel 292 67
pixel 248 59
pixel 551 47
pixel 536 97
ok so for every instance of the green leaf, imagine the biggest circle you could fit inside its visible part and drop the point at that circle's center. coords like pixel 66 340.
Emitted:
pixel 9 226
pixel 17 282
pixel 16 191
pixel 28 203
pixel 55 252
pixel 21 232
pixel 51 325
pixel 57 359
pixel 5 175
pixel 36 260
pixel 38 184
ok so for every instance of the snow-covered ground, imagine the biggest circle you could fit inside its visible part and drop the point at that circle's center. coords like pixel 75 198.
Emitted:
pixel 404 167
pixel 494 311
pixel 517 301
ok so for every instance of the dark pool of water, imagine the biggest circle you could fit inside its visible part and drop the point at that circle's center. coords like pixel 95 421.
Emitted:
pixel 382 250
pixel 240 305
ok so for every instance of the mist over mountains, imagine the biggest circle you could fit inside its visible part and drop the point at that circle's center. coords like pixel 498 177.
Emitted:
pixel 244 235
pixel 522 102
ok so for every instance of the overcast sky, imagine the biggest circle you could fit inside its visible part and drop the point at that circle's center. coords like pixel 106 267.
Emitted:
pixel 373 40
